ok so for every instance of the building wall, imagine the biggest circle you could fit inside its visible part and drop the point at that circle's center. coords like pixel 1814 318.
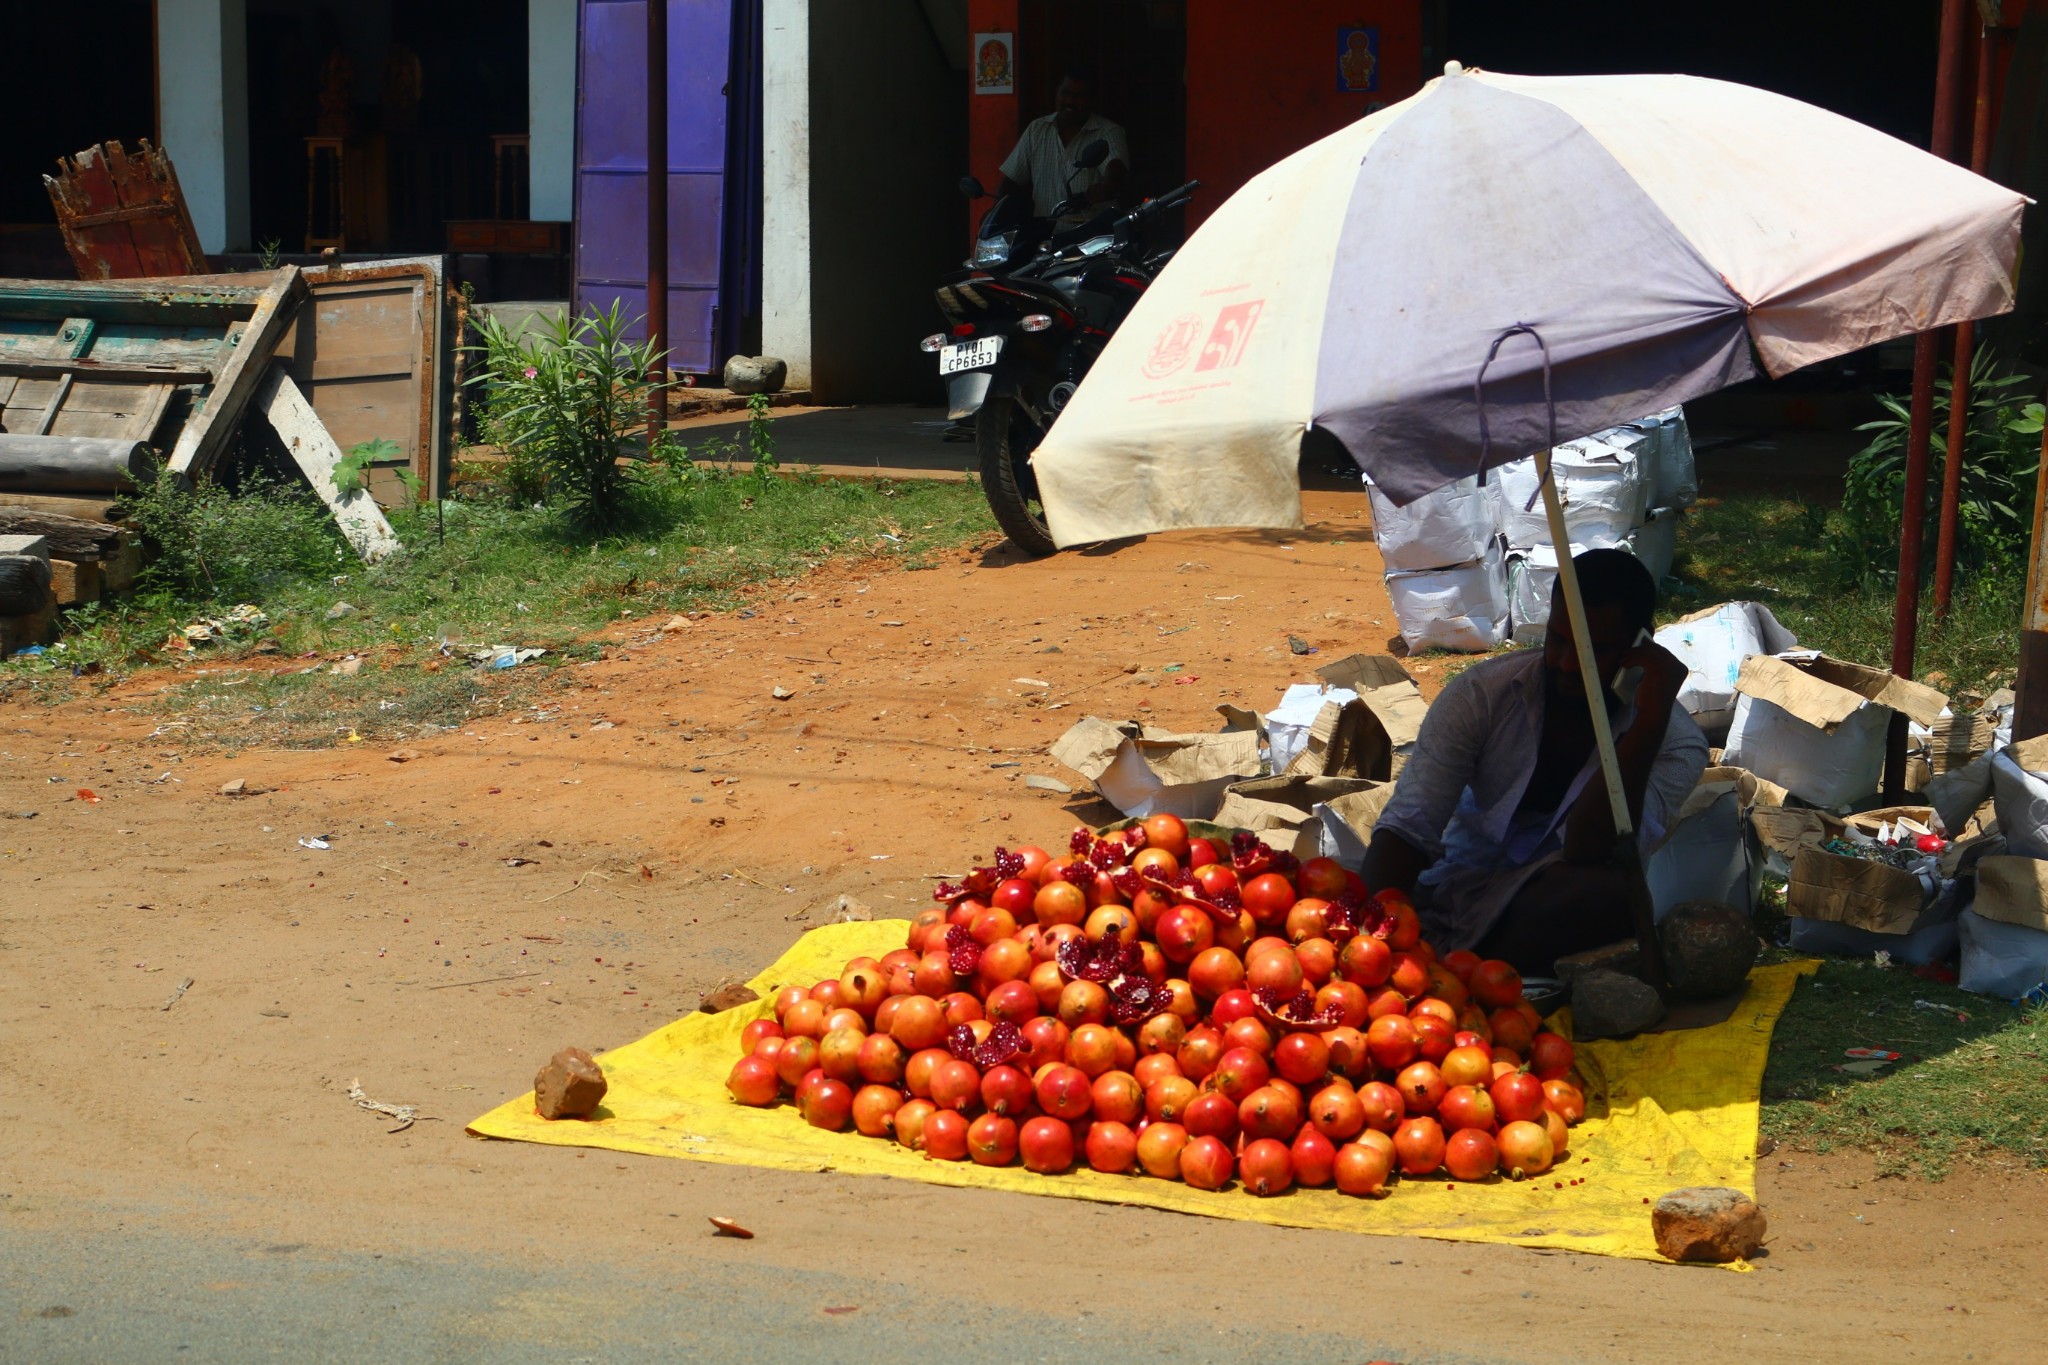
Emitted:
pixel 551 107
pixel 786 186
pixel 1260 91
pixel 203 113
pixel 887 146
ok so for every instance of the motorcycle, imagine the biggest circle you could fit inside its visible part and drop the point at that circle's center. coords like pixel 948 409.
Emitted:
pixel 1034 308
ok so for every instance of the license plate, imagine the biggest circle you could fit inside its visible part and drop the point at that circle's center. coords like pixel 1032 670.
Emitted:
pixel 970 355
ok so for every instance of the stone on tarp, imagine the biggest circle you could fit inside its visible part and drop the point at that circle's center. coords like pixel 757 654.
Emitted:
pixel 755 374
pixel 570 1086
pixel 1708 1223
pixel 1610 1005
pixel 728 997
pixel 1709 948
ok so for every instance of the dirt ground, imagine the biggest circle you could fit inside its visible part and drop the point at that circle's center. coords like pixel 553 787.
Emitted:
pixel 678 825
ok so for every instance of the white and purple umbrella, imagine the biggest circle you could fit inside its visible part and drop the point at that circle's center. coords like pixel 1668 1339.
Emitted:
pixel 1592 248
pixel 1664 236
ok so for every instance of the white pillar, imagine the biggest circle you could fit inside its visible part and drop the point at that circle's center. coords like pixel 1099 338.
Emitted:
pixel 786 186
pixel 551 107
pixel 203 113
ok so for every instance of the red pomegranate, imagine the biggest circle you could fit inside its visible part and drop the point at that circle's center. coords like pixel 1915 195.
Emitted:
pixel 1047 1145
pixel 1267 1167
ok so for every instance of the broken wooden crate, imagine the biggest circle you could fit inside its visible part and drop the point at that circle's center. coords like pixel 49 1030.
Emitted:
pixel 174 364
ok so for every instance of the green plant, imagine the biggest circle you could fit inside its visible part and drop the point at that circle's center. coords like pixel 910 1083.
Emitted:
pixel 267 253
pixel 213 544
pixel 571 406
pixel 1995 502
pixel 761 436
pixel 352 469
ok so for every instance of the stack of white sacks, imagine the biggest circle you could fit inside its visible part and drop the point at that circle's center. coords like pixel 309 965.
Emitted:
pixel 1471 564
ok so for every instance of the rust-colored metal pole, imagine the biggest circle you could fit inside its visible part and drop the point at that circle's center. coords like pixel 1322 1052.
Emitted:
pixel 1920 424
pixel 1966 340
pixel 657 211
pixel 2030 709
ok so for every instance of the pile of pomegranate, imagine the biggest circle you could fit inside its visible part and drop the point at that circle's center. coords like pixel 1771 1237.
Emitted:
pixel 1194 1009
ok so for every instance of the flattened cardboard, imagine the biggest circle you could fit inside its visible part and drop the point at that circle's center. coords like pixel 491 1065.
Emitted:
pixel 1142 770
pixel 1346 824
pixel 1386 688
pixel 1284 802
pixel 2013 890
pixel 1346 741
pixel 1824 692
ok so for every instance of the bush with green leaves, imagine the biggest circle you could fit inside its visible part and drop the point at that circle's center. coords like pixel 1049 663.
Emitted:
pixel 1995 506
pixel 569 404
pixel 215 544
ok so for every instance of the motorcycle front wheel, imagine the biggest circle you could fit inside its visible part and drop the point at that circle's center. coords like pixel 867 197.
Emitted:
pixel 1004 438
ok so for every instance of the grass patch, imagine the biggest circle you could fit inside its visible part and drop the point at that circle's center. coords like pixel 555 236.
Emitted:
pixel 1778 551
pixel 496 574
pixel 1973 1078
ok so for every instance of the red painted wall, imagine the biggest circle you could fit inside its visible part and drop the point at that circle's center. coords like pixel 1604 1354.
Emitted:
pixel 992 125
pixel 1262 81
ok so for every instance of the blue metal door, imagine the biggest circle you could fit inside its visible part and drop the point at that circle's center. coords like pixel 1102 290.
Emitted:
pixel 611 167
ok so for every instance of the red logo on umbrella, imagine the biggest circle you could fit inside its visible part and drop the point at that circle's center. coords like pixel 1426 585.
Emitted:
pixel 1225 346
pixel 1174 345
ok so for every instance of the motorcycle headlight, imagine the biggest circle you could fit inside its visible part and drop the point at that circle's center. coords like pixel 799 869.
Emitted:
pixel 994 250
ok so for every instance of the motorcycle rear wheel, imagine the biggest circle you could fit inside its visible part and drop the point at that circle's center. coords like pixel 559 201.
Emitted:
pixel 1004 438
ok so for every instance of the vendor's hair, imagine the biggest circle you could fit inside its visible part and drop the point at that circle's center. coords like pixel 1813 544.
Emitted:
pixel 1078 71
pixel 1616 578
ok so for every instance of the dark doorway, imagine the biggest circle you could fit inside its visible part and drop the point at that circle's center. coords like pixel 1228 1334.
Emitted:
pixel 1138 52
pixel 422 94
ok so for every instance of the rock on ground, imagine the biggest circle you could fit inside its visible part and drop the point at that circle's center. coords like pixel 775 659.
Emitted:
pixel 1707 1223
pixel 1610 1005
pixel 1708 948
pixel 570 1086
pixel 755 374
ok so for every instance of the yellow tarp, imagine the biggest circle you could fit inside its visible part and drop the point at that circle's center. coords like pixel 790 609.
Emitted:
pixel 1666 1110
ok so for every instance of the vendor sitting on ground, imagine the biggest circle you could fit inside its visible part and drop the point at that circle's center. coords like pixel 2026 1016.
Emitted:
pixel 1500 825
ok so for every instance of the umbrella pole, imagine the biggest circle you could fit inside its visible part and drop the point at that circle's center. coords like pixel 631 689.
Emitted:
pixel 1642 911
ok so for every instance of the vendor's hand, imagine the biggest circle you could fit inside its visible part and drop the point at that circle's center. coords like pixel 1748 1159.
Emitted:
pixel 1664 674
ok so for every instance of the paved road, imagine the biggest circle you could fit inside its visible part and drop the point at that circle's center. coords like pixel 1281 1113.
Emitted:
pixel 127 1294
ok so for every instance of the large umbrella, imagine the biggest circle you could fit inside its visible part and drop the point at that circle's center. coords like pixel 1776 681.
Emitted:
pixel 1595 248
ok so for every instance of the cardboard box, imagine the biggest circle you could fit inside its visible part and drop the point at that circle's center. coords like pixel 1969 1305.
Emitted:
pixel 1142 770
pixel 1342 828
pixel 1816 726
pixel 1284 803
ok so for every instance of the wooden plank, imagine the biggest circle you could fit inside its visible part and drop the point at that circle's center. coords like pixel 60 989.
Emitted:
pixel 298 426
pixel 206 432
pixel 123 214
pixel 118 570
pixel 74 581
pixel 362 307
pixel 68 537
pixel 88 185
pixel 204 299
pixel 84 506
pixel 48 417
pixel 93 369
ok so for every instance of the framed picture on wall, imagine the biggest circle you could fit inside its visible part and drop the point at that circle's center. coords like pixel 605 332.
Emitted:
pixel 995 63
pixel 1358 60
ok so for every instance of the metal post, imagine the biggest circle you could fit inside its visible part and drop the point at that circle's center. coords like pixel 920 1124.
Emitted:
pixel 1966 337
pixel 1920 427
pixel 657 211
pixel 1641 910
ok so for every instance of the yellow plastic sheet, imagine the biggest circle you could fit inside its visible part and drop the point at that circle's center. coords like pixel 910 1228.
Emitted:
pixel 1665 1110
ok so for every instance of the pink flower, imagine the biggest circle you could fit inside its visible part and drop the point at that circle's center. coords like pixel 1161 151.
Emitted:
pixel 531 372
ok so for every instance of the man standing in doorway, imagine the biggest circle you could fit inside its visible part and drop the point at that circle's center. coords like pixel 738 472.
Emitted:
pixel 1044 157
